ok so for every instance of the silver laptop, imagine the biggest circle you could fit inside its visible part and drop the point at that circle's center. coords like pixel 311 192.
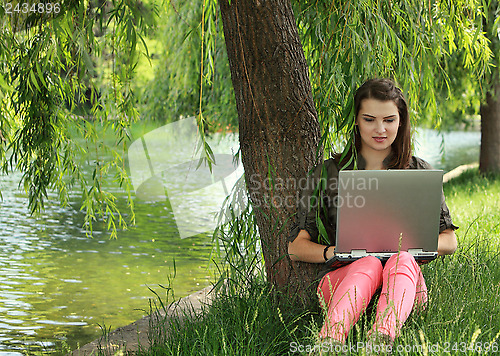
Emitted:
pixel 381 212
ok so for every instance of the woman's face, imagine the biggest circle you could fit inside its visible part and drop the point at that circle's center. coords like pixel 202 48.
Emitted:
pixel 378 123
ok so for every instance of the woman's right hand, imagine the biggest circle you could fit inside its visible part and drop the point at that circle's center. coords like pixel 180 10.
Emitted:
pixel 303 249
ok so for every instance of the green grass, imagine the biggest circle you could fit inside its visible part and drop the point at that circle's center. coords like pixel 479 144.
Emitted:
pixel 462 316
pixel 248 322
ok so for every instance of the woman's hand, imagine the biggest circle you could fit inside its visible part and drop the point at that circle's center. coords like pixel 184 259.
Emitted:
pixel 447 242
pixel 303 249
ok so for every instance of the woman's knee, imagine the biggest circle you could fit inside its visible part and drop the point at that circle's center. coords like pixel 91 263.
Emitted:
pixel 402 258
pixel 326 284
pixel 370 266
pixel 402 261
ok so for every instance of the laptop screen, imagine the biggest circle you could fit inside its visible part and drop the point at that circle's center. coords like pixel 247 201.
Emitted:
pixel 388 210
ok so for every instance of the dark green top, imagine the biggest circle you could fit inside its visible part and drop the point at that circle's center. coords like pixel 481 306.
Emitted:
pixel 306 216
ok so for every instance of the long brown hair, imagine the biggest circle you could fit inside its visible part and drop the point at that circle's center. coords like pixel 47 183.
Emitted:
pixel 384 90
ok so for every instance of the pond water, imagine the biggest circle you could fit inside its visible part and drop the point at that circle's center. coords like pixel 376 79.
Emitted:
pixel 447 150
pixel 59 287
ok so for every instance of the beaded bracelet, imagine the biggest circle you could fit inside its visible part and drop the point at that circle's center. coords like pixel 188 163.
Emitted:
pixel 324 252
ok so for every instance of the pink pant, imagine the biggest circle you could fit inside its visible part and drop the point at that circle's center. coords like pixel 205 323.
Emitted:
pixel 346 292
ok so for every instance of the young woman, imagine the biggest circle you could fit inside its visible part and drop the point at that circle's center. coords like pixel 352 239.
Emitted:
pixel 382 140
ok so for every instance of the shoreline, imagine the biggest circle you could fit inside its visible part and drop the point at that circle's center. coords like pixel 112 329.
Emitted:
pixel 128 338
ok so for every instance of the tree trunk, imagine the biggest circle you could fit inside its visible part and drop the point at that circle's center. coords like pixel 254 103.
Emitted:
pixel 489 160
pixel 278 126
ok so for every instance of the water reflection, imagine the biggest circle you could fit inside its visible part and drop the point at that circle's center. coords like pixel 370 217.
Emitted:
pixel 57 285
pixel 447 150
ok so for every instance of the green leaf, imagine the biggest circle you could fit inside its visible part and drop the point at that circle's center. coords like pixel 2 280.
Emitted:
pixel 5 87
pixel 323 236
pixel 40 74
pixel 33 79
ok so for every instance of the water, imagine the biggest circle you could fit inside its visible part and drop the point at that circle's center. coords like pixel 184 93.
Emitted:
pixel 460 147
pixel 59 287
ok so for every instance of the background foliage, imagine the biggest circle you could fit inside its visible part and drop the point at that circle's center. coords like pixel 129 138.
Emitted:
pixel 183 84
pixel 66 79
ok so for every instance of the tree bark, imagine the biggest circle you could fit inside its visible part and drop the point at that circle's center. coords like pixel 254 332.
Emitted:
pixel 278 127
pixel 489 159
